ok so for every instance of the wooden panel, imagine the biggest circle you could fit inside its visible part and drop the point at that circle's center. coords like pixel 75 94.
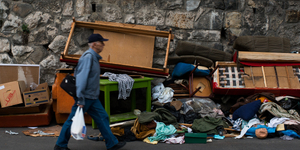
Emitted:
pixel 132 49
pixel 294 83
pixel 283 82
pixel 259 81
pixel 270 75
pixel 205 90
pixel 257 71
pixel 270 71
pixel 271 82
pixel 27 120
pixel 290 71
pixel 249 83
pixel 64 100
pixel 21 110
pixel 281 71
pixel 268 57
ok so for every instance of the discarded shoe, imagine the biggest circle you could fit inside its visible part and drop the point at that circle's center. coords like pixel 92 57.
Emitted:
pixel 56 147
pixel 220 130
pixel 95 138
pixel 118 146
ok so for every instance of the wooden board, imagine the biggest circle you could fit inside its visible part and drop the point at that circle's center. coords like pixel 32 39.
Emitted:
pixel 27 120
pixel 126 29
pixel 204 83
pixel 64 100
pixel 16 72
pixel 268 57
pixel 21 110
pixel 132 49
pixel 293 90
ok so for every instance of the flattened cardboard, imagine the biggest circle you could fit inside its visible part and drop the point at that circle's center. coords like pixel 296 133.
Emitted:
pixel 11 93
pixel 38 96
pixel 20 72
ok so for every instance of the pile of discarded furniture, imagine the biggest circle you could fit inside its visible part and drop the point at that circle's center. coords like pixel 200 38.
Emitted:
pixel 210 94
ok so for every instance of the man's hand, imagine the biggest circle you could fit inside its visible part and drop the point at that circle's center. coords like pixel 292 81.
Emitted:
pixel 81 106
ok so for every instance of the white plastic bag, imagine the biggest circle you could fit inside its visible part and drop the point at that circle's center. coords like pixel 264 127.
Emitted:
pixel 78 128
pixel 162 93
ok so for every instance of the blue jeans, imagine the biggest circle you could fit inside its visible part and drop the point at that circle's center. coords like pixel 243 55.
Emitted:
pixel 95 109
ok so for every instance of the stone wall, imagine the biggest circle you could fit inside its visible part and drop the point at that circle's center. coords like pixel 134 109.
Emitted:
pixel 212 23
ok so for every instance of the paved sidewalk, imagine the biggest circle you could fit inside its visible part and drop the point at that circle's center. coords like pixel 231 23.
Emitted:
pixel 23 142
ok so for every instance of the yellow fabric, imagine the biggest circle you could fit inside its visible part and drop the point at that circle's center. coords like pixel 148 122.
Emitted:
pixel 263 99
pixel 119 131
pixel 141 131
pixel 146 140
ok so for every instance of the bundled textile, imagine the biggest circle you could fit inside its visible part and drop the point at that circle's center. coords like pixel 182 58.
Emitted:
pixel 125 83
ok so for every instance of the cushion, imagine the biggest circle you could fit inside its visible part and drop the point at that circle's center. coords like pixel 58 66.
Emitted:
pixel 183 69
pixel 247 112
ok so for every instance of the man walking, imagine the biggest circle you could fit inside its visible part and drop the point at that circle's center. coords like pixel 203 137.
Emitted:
pixel 87 74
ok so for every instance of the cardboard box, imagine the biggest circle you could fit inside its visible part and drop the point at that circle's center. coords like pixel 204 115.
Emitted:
pixel 28 73
pixel 38 96
pixel 11 93
pixel 195 137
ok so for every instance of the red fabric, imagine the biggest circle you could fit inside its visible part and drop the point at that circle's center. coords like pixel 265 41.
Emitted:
pixel 258 64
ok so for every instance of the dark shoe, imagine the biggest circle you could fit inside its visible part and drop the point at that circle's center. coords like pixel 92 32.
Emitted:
pixel 118 146
pixel 220 130
pixel 95 138
pixel 56 147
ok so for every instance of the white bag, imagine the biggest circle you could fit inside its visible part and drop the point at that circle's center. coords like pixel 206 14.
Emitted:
pixel 78 128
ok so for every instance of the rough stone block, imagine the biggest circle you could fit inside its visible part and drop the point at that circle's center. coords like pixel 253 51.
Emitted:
pixel 292 16
pixel 149 15
pixel 180 19
pixel 233 20
pixel 210 19
pixel 192 4
pixel 205 35
pixel 22 9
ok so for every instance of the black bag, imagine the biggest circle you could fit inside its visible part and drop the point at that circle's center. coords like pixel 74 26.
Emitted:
pixel 69 85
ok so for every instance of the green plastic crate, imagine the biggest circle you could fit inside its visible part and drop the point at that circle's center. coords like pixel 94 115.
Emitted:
pixel 195 137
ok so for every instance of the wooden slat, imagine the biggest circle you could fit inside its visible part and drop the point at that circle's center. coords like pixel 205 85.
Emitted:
pixel 120 29
pixel 268 57
pixel 117 64
pixel 69 39
pixel 181 95
pixel 168 49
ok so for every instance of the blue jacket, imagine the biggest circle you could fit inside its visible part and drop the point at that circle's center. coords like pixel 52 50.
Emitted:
pixel 87 75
